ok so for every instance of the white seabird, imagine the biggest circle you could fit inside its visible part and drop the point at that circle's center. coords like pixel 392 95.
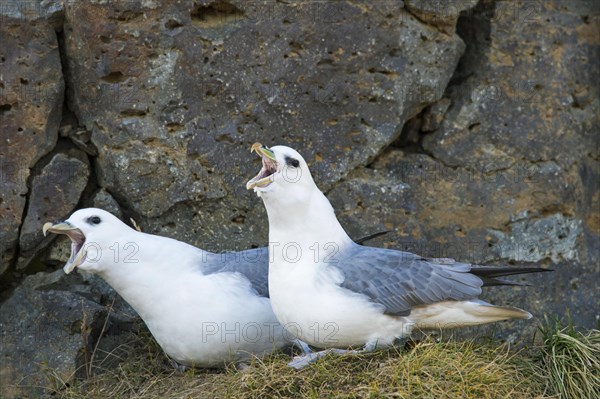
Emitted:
pixel 332 293
pixel 203 309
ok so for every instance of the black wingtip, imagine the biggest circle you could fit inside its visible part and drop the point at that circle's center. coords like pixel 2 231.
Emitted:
pixel 493 282
pixel 362 240
pixel 494 271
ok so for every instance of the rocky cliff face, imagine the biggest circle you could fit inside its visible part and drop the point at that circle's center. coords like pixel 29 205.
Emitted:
pixel 468 129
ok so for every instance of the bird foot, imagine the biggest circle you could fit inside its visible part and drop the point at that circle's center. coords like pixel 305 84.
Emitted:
pixel 180 368
pixel 242 367
pixel 303 346
pixel 300 362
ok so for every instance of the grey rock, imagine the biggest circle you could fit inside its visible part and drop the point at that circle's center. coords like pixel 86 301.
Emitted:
pixel 45 11
pixel 41 330
pixel 31 98
pixel 440 13
pixel 434 115
pixel 103 200
pixel 173 116
pixel 81 138
pixel 58 252
pixel 430 204
pixel 553 237
pixel 54 194
pixel 513 91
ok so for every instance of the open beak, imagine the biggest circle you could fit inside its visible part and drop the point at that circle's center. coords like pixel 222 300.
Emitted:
pixel 269 167
pixel 78 253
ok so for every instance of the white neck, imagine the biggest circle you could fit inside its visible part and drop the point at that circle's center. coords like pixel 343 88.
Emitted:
pixel 142 278
pixel 310 221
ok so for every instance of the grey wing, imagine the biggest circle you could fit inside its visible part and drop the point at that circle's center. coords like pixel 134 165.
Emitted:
pixel 401 280
pixel 252 264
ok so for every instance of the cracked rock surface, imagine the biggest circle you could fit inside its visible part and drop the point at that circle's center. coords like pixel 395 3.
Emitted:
pixel 467 129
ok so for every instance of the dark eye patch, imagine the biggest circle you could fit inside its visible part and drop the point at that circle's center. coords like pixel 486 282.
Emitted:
pixel 94 220
pixel 293 162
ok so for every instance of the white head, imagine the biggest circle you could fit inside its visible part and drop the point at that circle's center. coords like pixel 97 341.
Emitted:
pixel 294 203
pixel 92 232
pixel 284 177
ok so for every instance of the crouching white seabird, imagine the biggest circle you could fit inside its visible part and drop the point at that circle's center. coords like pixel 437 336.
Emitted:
pixel 332 293
pixel 204 309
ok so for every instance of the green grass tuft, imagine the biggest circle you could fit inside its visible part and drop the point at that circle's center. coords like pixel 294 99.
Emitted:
pixel 571 360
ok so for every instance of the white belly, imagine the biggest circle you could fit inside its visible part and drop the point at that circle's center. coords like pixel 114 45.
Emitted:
pixel 311 307
pixel 204 324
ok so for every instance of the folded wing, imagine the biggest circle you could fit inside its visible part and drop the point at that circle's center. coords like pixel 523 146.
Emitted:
pixel 401 280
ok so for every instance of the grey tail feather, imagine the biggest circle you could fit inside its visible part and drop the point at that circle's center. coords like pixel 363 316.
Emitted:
pixel 492 272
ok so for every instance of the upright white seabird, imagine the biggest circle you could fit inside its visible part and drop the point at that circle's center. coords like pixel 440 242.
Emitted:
pixel 332 293
pixel 204 309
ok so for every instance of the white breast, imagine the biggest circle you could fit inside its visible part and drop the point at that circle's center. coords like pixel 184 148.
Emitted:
pixel 206 320
pixel 308 301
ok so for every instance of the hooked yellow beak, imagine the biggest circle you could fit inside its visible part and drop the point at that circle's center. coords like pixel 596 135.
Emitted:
pixel 269 167
pixel 263 151
pixel 57 228
pixel 78 252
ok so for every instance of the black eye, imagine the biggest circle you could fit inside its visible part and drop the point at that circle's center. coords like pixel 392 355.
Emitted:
pixel 94 220
pixel 292 162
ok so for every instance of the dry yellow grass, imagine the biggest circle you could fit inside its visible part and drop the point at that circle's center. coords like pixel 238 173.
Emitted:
pixel 428 369
pixel 567 365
